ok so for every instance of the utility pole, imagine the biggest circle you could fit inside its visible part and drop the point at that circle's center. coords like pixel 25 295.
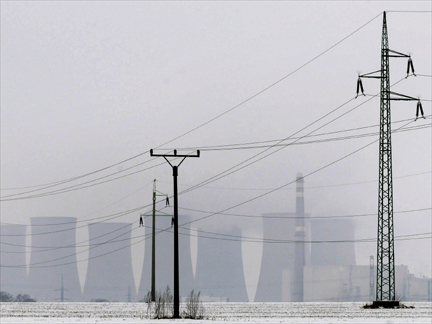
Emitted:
pixel 176 245
pixel 62 290
pixel 129 295
pixel 385 280
pixel 153 272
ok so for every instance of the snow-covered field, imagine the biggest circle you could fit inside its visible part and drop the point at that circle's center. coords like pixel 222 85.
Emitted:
pixel 216 313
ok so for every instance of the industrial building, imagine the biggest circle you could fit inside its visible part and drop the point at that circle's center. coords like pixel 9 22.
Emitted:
pixel 219 269
pixel 418 289
pixel 164 255
pixel 13 269
pixel 109 271
pixel 53 255
pixel 335 283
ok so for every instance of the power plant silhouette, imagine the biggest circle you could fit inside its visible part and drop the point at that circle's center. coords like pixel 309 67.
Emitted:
pixel 109 272
pixel 219 269
pixel 13 272
pixel 291 271
pixel 53 255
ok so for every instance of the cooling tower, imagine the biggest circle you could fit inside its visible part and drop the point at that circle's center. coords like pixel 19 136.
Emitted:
pixel 53 255
pixel 219 269
pixel 13 270
pixel 332 253
pixel 164 250
pixel 276 256
pixel 109 272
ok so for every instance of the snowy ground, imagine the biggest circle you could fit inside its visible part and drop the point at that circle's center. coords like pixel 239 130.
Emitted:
pixel 216 313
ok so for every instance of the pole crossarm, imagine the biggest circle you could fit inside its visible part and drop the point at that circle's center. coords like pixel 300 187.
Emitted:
pixel 175 154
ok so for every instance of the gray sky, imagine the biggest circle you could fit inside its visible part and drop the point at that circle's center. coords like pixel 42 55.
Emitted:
pixel 85 85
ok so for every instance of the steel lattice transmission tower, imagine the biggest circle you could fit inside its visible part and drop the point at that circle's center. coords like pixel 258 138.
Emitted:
pixel 385 245
pixel 385 279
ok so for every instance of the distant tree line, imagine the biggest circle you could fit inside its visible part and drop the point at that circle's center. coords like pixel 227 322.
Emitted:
pixel 20 298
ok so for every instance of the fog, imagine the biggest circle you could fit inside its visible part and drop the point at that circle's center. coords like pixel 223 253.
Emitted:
pixel 88 88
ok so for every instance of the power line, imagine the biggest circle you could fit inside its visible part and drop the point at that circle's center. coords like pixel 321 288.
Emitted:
pixel 78 186
pixel 49 185
pixel 247 145
pixel 291 182
pixel 273 84
pixel 34 265
pixel 51 248
pixel 233 169
pixel 56 183
pixel 228 237
pixel 76 227
pixel 311 187
pixel 401 238
pixel 201 211
pixel 95 257
pixel 95 212
pixel 295 217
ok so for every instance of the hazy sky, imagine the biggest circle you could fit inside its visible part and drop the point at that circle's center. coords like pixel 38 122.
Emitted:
pixel 88 84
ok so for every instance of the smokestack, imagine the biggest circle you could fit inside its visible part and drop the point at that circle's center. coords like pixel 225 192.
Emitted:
pixel 281 276
pixel 299 245
pixel 13 269
pixel 109 272
pixel 53 254
pixel 165 256
pixel 219 270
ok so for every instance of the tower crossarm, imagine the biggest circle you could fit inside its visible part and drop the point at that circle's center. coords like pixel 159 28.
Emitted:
pixel 371 75
pixel 402 97
pixel 396 54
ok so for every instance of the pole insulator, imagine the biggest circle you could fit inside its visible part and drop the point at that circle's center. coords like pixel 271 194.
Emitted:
pixel 410 66
pixel 419 109
pixel 360 87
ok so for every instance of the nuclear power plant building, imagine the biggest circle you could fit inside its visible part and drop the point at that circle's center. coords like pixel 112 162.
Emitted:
pixel 53 255
pixel 109 272
pixel 13 269
pixel 219 269
pixel 164 255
